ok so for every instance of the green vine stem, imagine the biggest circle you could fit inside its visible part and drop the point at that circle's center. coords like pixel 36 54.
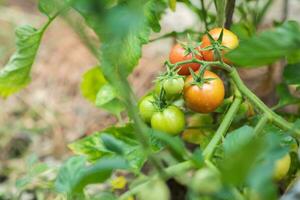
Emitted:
pixel 260 125
pixel 208 151
pixel 272 116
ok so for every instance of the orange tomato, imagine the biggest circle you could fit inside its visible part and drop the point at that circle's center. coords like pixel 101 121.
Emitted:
pixel 229 40
pixel 205 98
pixel 177 54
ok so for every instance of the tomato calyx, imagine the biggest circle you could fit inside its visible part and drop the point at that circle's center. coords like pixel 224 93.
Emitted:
pixel 216 45
pixel 190 47
pixel 198 78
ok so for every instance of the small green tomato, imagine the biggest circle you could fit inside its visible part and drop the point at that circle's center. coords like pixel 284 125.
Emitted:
pixel 170 120
pixel 147 108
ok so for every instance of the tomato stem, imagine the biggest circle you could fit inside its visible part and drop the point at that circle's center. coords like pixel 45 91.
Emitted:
pixel 272 116
pixel 261 124
pixel 208 151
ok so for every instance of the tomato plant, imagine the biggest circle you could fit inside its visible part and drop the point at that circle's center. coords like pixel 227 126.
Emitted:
pixel 161 144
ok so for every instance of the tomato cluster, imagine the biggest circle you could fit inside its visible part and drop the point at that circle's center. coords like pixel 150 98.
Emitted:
pixel 202 91
pixel 198 91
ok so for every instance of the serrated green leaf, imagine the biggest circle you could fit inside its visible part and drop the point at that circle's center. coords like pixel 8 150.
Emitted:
pixel 16 74
pixel 267 47
pixel 74 175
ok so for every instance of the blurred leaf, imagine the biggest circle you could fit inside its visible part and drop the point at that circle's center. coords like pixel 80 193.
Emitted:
pixel 107 99
pixel 291 74
pixel 268 46
pixel 249 160
pixel 123 29
pixel 91 83
pixel 105 196
pixel 51 7
pixel 110 143
pixel 95 88
pixel 243 30
pixel 74 175
pixel 285 97
pixel 175 144
pixel 16 74
pixel 236 139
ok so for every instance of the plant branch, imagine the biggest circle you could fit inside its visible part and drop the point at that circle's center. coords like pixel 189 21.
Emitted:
pixel 273 117
pixel 261 124
pixel 229 13
pixel 204 14
pixel 208 151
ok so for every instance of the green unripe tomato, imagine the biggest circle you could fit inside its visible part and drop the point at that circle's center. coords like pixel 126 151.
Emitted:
pixel 171 120
pixel 173 87
pixel 282 167
pixel 154 190
pixel 147 108
pixel 206 181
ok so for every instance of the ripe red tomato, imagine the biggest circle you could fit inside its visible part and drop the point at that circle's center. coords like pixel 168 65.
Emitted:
pixel 229 40
pixel 177 54
pixel 208 97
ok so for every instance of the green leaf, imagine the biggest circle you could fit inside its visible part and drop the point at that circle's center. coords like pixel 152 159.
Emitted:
pixel 91 83
pixel 123 29
pixel 95 88
pixel 16 74
pixel 245 154
pixel 51 7
pixel 74 175
pixel 110 143
pixel 268 46
pixel 291 74
pixel 107 99
pixel 237 139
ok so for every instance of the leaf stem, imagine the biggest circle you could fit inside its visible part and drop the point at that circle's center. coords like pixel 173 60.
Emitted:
pixel 261 124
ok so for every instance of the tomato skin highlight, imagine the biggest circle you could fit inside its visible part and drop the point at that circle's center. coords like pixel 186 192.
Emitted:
pixel 177 54
pixel 208 97
pixel 171 120
pixel 230 40
pixel 147 108
pixel 282 167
